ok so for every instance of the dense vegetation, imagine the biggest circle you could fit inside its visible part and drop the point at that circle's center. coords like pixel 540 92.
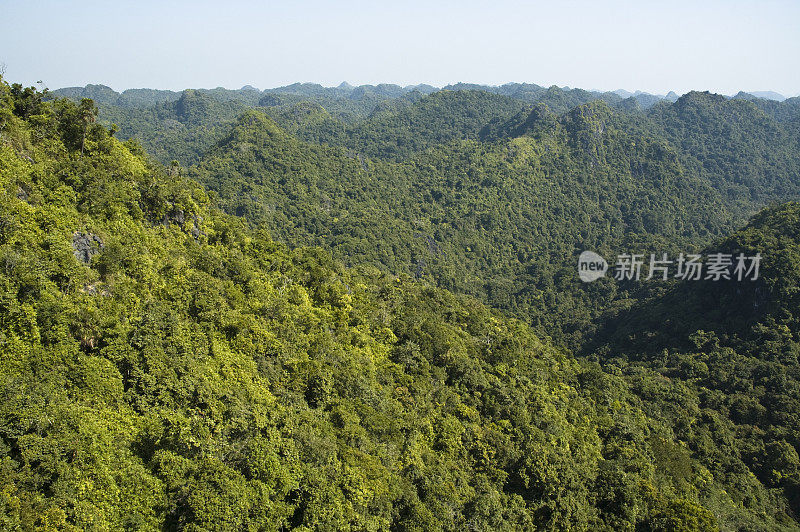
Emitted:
pixel 179 129
pixel 165 365
pixel 504 218
pixel 373 119
pixel 730 351
pixel 476 190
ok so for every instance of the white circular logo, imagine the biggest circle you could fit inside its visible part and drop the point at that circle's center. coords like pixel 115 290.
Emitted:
pixel 591 266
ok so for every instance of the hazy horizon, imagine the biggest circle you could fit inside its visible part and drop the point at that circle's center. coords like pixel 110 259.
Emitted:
pixel 336 85
pixel 723 47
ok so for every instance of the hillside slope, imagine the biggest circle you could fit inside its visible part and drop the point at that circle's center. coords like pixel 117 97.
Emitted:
pixel 734 347
pixel 500 220
pixel 164 367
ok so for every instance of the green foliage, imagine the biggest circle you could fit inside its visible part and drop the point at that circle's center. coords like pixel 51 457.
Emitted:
pixel 685 516
pixel 178 129
pixel 734 349
pixel 163 366
pixel 742 151
pixel 397 133
pixel 503 221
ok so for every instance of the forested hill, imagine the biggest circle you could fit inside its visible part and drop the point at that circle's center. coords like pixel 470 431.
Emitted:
pixel 742 149
pixel 178 129
pixel 734 312
pixel 356 113
pixel 163 366
pixel 400 132
pixel 503 217
pixel 396 123
pixel 167 365
pixel 734 349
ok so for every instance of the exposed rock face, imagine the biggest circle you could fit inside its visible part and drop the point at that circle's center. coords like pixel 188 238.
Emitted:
pixel 176 217
pixel 85 245
pixel 196 232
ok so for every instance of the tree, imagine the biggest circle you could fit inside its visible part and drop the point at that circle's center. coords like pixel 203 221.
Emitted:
pixel 88 116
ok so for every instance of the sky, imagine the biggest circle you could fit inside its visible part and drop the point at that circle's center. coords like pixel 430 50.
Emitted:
pixel 716 45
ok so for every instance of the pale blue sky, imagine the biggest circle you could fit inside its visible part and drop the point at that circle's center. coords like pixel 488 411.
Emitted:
pixel 723 46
